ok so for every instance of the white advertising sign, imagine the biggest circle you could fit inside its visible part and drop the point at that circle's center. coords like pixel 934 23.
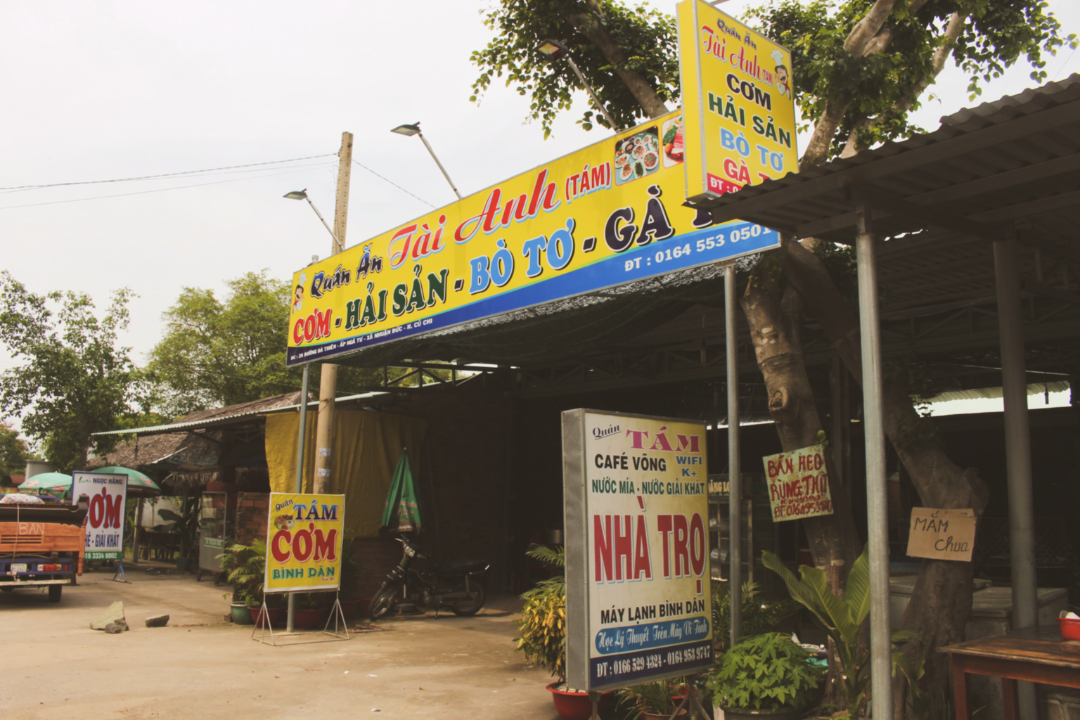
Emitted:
pixel 636 510
pixel 105 516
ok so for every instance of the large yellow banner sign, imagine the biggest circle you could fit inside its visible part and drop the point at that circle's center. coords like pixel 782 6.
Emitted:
pixel 737 100
pixel 607 215
pixel 303 542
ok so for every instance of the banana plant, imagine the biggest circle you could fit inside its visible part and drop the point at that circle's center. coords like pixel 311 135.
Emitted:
pixel 840 619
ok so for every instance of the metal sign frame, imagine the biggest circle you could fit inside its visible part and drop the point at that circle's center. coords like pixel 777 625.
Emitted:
pixel 581 667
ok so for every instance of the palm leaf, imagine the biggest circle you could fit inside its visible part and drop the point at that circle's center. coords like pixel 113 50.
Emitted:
pixel 798 590
pixel 838 611
pixel 858 587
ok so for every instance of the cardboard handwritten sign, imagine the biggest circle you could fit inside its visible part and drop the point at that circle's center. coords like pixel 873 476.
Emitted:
pixel 798 484
pixel 941 534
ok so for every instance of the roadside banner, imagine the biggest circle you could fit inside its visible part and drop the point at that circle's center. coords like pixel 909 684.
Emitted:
pixel 798 484
pixel 609 214
pixel 106 493
pixel 303 542
pixel 737 101
pixel 638 598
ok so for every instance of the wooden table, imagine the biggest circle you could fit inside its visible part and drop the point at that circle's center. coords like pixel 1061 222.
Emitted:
pixel 1032 654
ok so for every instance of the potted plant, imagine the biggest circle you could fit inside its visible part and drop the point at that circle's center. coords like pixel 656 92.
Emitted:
pixel 246 570
pixel 655 700
pixel 766 676
pixel 841 619
pixel 542 634
pixel 758 615
pixel 311 610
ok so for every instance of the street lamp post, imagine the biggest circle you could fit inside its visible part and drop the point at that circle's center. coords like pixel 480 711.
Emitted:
pixel 302 195
pixel 414 129
pixel 554 50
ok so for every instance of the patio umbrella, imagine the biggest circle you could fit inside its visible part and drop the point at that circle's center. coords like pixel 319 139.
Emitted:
pixel 138 485
pixel 402 510
pixel 54 482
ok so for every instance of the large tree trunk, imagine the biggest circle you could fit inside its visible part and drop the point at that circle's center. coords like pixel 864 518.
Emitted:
pixel 941 601
pixel 833 540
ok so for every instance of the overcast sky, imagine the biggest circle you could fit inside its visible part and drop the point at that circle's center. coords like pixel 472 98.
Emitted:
pixel 101 90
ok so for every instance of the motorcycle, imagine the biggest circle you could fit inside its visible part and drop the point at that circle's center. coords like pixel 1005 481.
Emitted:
pixel 455 586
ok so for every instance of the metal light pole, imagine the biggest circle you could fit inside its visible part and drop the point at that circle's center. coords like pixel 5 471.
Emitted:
pixel 299 473
pixel 414 129
pixel 302 195
pixel 554 50
pixel 876 491
pixel 735 506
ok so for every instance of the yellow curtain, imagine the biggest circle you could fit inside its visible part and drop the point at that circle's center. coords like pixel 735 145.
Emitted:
pixel 366 448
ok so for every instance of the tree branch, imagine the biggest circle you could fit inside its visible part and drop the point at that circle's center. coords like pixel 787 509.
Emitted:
pixel 817 150
pixel 591 24
pixel 856 141
pixel 860 37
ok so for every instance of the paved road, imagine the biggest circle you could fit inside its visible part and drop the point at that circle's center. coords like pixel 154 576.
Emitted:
pixel 52 666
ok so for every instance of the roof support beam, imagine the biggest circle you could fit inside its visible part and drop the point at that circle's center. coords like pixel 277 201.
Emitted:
pixel 920 214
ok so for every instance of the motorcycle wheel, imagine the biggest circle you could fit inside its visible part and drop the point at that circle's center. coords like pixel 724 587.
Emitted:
pixel 469 605
pixel 383 600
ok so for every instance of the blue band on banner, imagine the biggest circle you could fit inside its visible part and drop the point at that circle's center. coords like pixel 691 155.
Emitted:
pixel 633 668
pixel 682 252
pixel 611 641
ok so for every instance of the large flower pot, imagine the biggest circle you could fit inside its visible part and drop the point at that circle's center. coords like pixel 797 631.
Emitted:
pixel 575 705
pixel 662 716
pixel 275 615
pixel 743 714
pixel 240 614
pixel 310 619
pixel 350 608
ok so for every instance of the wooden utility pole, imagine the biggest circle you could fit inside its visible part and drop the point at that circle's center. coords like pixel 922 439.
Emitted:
pixel 324 432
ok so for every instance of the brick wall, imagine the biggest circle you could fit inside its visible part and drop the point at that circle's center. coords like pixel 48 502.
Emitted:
pixel 252 513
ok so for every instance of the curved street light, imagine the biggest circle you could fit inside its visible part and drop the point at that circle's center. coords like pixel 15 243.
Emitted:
pixel 554 50
pixel 414 129
pixel 302 195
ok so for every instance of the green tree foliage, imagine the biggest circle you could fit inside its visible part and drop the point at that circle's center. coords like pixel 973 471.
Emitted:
pixel 13 451
pixel 73 378
pixel 628 55
pixel 216 353
pixel 860 67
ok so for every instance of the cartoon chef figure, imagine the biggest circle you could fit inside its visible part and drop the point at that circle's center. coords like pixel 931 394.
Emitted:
pixel 783 79
pixel 298 294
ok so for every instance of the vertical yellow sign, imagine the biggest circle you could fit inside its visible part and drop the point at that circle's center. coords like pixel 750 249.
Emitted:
pixel 737 102
pixel 303 542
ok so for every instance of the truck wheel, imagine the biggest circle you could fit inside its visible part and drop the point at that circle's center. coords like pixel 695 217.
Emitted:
pixel 54 593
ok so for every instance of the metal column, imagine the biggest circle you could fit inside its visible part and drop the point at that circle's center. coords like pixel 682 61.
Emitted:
pixel 735 509
pixel 1017 450
pixel 299 469
pixel 876 491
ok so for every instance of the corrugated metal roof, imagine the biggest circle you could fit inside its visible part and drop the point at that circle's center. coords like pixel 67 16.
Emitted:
pixel 241 417
pixel 1015 158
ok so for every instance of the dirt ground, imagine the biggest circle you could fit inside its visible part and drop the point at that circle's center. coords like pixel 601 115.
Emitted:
pixel 52 666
